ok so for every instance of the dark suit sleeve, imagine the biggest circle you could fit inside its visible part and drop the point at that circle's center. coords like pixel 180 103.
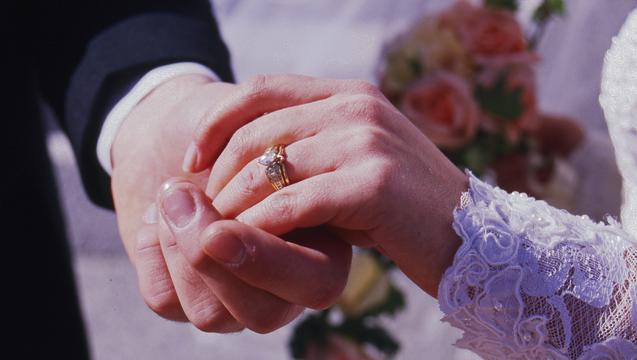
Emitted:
pixel 90 52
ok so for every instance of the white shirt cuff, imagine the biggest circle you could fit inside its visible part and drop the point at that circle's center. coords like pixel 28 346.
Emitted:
pixel 143 87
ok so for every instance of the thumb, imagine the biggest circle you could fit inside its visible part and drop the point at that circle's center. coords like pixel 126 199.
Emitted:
pixel 185 212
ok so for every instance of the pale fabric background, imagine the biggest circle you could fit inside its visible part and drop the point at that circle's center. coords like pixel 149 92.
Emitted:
pixel 336 39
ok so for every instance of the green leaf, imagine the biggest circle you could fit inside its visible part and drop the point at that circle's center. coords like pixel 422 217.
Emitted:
pixel 313 329
pixel 363 333
pixel 502 4
pixel 416 66
pixel 394 302
pixel 478 160
pixel 497 100
pixel 547 9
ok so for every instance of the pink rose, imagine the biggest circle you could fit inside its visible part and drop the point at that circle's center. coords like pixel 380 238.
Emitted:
pixel 519 75
pixel 484 31
pixel 442 107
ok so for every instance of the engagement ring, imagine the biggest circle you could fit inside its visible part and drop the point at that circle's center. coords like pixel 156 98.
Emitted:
pixel 274 161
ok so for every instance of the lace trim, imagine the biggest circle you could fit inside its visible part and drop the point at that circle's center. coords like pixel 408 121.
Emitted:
pixel 465 200
pixel 534 282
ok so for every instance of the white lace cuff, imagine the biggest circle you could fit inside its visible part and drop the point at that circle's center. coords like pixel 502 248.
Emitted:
pixel 533 282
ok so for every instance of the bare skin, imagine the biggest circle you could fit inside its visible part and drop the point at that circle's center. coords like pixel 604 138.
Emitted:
pixel 355 163
pixel 177 278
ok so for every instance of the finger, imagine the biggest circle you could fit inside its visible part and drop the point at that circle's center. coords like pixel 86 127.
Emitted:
pixel 155 284
pixel 261 95
pixel 297 123
pixel 330 198
pixel 200 305
pixel 304 159
pixel 279 127
pixel 280 267
pixel 255 308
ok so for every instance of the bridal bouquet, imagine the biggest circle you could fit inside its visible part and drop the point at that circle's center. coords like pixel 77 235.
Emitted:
pixel 466 79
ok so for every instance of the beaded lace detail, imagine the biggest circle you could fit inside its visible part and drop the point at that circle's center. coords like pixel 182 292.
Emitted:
pixel 534 282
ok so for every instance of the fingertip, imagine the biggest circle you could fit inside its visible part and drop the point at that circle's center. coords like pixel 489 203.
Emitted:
pixel 211 190
pixel 222 244
pixel 220 226
pixel 184 208
pixel 191 159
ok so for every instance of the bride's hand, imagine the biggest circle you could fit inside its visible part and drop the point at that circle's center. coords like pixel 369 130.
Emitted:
pixel 354 162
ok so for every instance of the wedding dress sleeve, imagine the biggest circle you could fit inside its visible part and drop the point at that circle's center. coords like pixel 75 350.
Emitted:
pixel 533 282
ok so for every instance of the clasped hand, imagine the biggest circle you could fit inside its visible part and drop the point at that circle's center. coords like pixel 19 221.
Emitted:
pixel 360 174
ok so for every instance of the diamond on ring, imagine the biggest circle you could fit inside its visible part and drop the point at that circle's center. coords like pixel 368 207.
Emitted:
pixel 274 161
pixel 271 156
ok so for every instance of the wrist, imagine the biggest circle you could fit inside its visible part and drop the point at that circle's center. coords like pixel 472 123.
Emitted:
pixel 445 241
pixel 427 247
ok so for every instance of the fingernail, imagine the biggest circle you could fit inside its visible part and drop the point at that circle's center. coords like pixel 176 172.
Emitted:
pixel 150 215
pixel 190 159
pixel 179 207
pixel 225 248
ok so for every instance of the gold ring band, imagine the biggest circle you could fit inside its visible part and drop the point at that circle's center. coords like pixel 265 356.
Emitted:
pixel 274 161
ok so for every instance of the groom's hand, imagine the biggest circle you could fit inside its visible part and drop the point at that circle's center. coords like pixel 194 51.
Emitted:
pixel 220 267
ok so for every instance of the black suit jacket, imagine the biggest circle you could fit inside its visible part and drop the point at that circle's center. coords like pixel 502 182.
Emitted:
pixel 81 57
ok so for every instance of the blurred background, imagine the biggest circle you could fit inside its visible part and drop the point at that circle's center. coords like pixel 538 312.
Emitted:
pixel 334 39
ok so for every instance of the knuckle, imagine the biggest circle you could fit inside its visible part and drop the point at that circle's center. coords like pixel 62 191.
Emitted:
pixel 370 141
pixel 282 204
pixel 263 327
pixel 198 259
pixel 267 322
pixel 325 296
pixel 147 244
pixel 372 109
pixel 365 87
pixel 162 300
pixel 249 181
pixel 256 86
pixel 240 142
pixel 367 107
pixel 171 246
pixel 210 318
pixel 209 322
